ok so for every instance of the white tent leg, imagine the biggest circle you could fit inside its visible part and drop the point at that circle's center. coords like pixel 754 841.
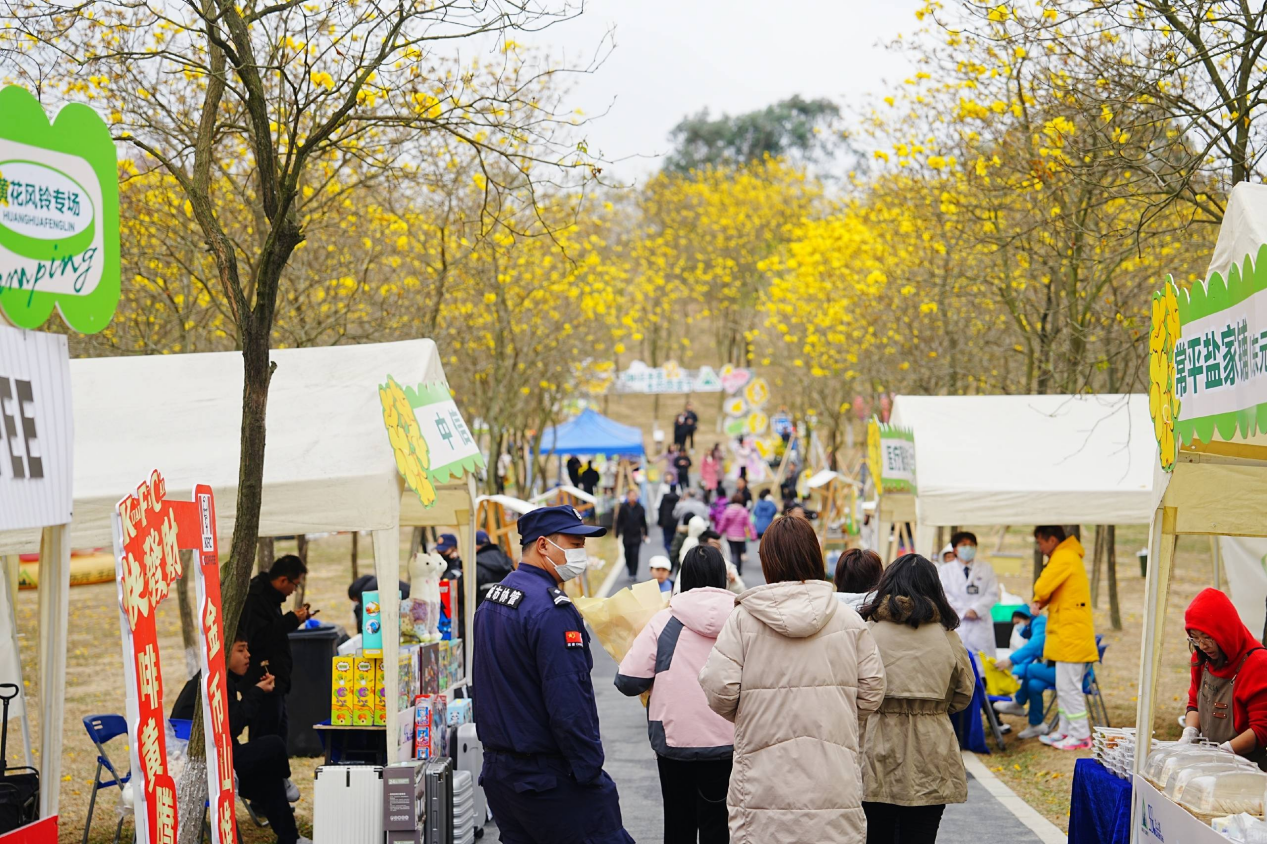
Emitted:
pixel 387 570
pixel 9 585
pixel 1161 556
pixel 54 611
pixel 469 572
pixel 926 542
pixel 1217 561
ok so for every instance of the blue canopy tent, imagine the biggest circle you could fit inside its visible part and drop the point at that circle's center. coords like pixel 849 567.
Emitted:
pixel 592 434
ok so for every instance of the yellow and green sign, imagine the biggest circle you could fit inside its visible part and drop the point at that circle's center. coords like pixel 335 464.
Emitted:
pixel 1208 358
pixel 59 215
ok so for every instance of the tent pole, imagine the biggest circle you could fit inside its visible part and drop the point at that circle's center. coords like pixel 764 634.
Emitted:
pixel 468 582
pixel 1161 556
pixel 387 570
pixel 1217 561
pixel 54 612
pixel 11 564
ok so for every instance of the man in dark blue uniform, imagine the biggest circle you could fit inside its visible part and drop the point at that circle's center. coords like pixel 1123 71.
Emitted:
pixel 534 702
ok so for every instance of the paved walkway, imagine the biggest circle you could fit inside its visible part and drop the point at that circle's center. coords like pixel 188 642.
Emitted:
pixel 631 763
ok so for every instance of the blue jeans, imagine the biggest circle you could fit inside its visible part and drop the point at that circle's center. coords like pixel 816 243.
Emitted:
pixel 1035 678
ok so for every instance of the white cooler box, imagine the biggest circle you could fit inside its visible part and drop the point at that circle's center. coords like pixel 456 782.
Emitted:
pixel 347 805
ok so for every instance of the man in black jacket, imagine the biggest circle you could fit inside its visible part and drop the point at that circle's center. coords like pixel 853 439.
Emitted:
pixel 261 764
pixel 668 524
pixel 491 565
pixel 268 631
pixel 590 478
pixel 631 527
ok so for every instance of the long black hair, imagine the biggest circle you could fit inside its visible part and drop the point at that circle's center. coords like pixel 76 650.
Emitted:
pixel 702 566
pixel 914 578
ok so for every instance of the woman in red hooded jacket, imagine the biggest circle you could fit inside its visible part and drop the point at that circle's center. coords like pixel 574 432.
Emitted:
pixel 1227 700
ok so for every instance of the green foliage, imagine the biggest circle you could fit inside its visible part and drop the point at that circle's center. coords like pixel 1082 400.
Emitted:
pixel 793 128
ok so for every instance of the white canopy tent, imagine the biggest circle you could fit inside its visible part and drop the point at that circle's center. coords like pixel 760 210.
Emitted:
pixel 1217 486
pixel 329 464
pixel 1029 459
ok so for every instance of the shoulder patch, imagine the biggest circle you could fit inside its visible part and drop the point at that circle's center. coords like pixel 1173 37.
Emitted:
pixel 507 596
pixel 559 597
pixel 572 639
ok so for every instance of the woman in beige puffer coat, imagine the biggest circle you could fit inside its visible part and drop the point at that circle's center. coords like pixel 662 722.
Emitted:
pixel 911 764
pixel 793 668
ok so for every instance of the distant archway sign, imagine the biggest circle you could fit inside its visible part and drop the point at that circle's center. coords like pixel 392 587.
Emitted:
pixel 59 215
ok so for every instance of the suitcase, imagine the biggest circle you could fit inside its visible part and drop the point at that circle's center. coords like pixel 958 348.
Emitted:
pixel 438 828
pixel 347 805
pixel 19 786
pixel 468 755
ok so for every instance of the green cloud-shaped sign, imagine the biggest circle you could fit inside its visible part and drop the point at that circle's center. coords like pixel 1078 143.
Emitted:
pixel 59 215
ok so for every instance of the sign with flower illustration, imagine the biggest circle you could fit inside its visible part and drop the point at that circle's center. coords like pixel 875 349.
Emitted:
pixel 430 440
pixel 59 215
pixel 1208 358
pixel 891 456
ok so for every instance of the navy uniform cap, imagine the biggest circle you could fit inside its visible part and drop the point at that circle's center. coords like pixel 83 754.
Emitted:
pixel 547 521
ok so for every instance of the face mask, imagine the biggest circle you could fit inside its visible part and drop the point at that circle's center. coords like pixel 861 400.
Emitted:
pixel 576 560
pixel 966 553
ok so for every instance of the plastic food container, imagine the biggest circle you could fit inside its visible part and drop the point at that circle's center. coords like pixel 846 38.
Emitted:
pixel 1163 763
pixel 1212 795
pixel 1180 777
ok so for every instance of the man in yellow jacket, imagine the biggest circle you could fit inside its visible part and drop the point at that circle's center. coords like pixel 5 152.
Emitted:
pixel 1063 590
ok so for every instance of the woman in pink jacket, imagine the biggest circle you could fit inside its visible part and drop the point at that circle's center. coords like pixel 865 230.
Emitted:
pixel 736 526
pixel 710 473
pixel 693 744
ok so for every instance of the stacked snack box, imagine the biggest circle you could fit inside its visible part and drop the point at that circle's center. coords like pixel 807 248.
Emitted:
pixel 380 694
pixel 364 681
pixel 342 691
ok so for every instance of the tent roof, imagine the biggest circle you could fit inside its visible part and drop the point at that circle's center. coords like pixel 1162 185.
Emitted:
pixel 328 466
pixel 593 433
pixel 1243 230
pixel 1025 460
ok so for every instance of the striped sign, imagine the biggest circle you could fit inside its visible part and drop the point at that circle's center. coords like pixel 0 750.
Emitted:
pixel 37 435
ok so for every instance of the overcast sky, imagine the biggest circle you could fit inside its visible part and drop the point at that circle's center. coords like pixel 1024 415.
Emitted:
pixel 674 58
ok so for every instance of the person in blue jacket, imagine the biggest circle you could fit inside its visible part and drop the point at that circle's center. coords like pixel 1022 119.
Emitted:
pixel 763 512
pixel 533 699
pixel 1036 676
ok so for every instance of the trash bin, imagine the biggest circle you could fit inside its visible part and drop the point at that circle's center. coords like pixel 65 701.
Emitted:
pixel 308 702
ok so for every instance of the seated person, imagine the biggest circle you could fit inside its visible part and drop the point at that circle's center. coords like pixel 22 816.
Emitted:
pixel 262 765
pixel 1036 676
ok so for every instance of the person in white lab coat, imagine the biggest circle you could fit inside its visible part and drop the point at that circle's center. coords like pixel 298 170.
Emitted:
pixel 972 589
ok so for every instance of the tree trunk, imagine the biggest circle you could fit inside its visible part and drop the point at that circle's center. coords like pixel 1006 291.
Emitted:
pixel 1115 611
pixel 1038 561
pixel 1096 559
pixel 301 549
pixel 356 536
pixel 191 791
pixel 265 553
pixel 188 624
pixel 415 544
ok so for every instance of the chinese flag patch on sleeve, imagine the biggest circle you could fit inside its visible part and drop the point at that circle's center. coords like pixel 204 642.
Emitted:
pixel 573 639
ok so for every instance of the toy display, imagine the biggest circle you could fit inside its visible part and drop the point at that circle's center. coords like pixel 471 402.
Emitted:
pixel 364 678
pixel 341 691
pixel 372 624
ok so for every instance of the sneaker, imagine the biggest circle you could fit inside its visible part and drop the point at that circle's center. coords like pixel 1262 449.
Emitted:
pixel 1051 738
pixel 1034 731
pixel 1005 729
pixel 1009 707
pixel 1071 743
pixel 292 792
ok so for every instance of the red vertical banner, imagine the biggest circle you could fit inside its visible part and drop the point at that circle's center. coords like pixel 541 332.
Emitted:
pixel 149 533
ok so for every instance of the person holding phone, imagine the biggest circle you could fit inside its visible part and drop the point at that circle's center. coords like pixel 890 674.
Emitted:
pixel 268 631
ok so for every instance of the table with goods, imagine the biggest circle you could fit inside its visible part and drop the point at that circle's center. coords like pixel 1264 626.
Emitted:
pixel 1189 792
pixel 431 797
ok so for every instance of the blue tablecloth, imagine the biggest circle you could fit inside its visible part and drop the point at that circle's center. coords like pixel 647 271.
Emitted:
pixel 1100 808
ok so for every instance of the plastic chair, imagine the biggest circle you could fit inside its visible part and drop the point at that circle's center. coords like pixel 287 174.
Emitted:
pixel 101 729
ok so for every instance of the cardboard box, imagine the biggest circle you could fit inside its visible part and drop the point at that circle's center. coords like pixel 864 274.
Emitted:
pixel 422 727
pixel 371 624
pixel 380 694
pixel 405 732
pixel 459 712
pixel 364 680
pixel 342 689
pixel 429 668
pixel 448 626
pixel 457 665
pixel 407 671
pixel 442 665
